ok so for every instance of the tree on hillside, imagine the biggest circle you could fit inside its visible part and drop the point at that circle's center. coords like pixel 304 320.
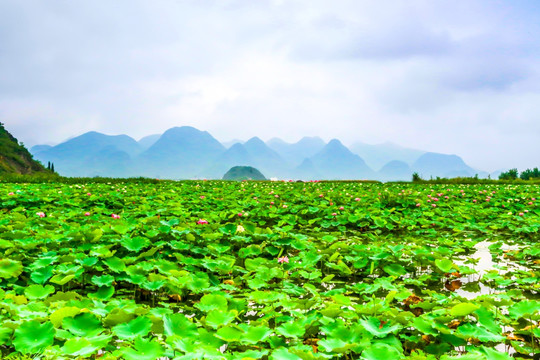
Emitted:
pixel 511 174
pixel 530 174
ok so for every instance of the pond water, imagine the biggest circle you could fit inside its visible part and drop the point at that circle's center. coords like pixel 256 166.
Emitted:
pixel 484 264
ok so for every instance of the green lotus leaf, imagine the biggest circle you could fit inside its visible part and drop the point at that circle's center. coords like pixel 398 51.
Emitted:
pixel 5 244
pixel 5 335
pixel 58 316
pixel 249 355
pixel 143 350
pixel 103 293
pixel 10 268
pixel 283 354
pixel 115 264
pixel 84 325
pixel 468 330
pixel 120 229
pixel 178 324
pixel 218 318
pixel 79 347
pixel 229 334
pixel 395 270
pixel 378 328
pixel 103 280
pixel 153 285
pixel 117 316
pixel 88 261
pixel 424 326
pixel 487 320
pixel 100 341
pixel 469 356
pixel 256 334
pixel 291 330
pixel 33 337
pixel 492 354
pixel 200 283
pixel 135 244
pixel 41 275
pixel 334 344
pixel 444 265
pixel 381 351
pixel 140 326
pixel 524 309
pixel 62 296
pixel 62 279
pixel 211 302
pixel 38 291
pixel 463 309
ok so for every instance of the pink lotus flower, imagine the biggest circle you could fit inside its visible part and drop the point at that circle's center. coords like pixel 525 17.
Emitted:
pixel 86 214
pixel 283 259
pixel 40 214
pixel 341 208
pixel 334 214
pixel 88 194
pixel 115 216
pixel 520 214
pixel 474 201
pixel 202 196
pixel 357 199
pixel 530 202
pixel 285 206
pixel 239 214
pixel 320 195
pixel 418 205
pixel 433 205
pixel 271 202
pixel 11 194
pixel 202 222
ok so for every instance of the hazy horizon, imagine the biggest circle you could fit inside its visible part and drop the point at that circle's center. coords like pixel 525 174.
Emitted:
pixel 456 78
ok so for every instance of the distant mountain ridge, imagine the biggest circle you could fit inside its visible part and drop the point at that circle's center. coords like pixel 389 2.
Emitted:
pixel 432 165
pixel 336 162
pixel 377 156
pixel 188 153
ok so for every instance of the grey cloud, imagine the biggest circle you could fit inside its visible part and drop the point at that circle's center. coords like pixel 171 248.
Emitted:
pixel 476 75
pixel 398 42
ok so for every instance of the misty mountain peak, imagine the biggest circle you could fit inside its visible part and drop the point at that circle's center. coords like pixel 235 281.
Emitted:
pixel 255 141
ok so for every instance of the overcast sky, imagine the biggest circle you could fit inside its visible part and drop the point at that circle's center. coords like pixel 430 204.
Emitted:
pixel 458 77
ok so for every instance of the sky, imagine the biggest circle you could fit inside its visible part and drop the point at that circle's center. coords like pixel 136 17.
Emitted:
pixel 456 77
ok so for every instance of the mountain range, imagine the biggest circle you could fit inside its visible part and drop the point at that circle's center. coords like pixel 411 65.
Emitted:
pixel 188 153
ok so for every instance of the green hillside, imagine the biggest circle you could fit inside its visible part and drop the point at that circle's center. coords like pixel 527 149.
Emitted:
pixel 14 157
pixel 239 173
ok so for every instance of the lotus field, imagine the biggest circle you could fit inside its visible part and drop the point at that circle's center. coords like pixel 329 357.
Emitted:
pixel 271 270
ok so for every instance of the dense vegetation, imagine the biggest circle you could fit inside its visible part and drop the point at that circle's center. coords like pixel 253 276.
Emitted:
pixel 15 158
pixel 513 174
pixel 510 177
pixel 243 173
pixel 249 270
